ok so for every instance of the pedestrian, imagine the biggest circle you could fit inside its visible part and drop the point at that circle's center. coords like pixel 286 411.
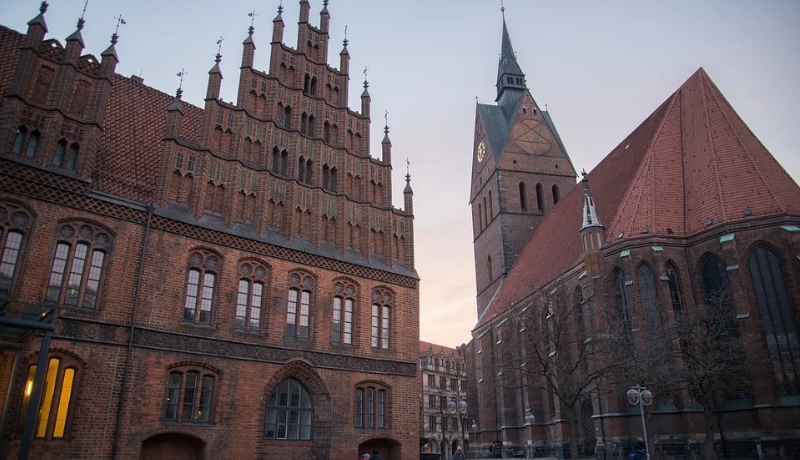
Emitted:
pixel 459 455
pixel 365 456
pixel 375 455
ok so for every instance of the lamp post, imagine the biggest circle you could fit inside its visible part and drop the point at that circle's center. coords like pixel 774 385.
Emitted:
pixel 529 419
pixel 475 434
pixel 641 396
pixel 460 407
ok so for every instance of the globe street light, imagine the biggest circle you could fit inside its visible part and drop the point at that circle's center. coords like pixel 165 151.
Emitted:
pixel 459 406
pixel 529 419
pixel 641 396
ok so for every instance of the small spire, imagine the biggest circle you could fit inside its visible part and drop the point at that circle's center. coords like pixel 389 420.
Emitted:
pixel 252 15
pixel 345 42
pixel 43 7
pixel 408 173
pixel 590 218
pixel 179 92
pixel 82 21
pixel 115 35
pixel 366 83
pixel 386 129
pixel 218 59
pixel 39 19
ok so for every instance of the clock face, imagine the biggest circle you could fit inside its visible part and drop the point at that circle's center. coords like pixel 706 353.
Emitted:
pixel 481 151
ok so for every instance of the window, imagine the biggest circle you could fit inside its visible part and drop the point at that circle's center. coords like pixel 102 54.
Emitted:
pixel 190 396
pixel 556 195
pixel 381 309
pixel 539 198
pixel 431 401
pixel 284 161
pixel 370 407
pixel 431 423
pixel 287 117
pixel 56 399
pixel 523 199
pixel 252 280
pixel 674 290
pixel 777 318
pixel 431 381
pixel 14 221
pixel 443 383
pixel 19 140
pixel 276 161
pixel 33 144
pixel 647 293
pixel 69 160
pixel 298 305
pixel 716 287
pixel 343 301
pixel 622 300
pixel 489 268
pixel 80 255
pixel 454 384
pixel 203 267
pixel 290 412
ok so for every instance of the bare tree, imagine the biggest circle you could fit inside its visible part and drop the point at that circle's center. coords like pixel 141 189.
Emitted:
pixel 564 352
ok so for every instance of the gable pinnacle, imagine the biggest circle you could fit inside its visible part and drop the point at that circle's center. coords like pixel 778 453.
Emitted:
pixel 43 7
pixel 345 42
pixel 219 50
pixel 590 218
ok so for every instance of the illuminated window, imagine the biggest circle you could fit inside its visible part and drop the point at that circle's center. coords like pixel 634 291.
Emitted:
pixel 56 400
pixel 78 263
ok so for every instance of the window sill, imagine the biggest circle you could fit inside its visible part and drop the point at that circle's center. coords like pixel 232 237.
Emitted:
pixel 188 424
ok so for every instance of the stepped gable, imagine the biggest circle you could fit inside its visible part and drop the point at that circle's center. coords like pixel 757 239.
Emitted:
pixel 691 160
pixel 135 123
pixel 727 170
pixel 424 346
pixel 10 43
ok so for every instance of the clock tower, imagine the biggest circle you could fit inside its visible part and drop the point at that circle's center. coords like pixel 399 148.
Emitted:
pixel 520 170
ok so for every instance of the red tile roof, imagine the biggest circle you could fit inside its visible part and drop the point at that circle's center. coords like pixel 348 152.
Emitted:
pixel 424 346
pixel 10 43
pixel 691 160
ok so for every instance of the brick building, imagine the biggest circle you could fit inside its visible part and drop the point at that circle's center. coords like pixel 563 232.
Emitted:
pixel 443 374
pixel 689 204
pixel 225 281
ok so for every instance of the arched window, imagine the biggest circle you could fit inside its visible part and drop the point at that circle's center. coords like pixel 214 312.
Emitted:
pixel 489 268
pixel 716 287
pixel 556 195
pixel 287 117
pixel 486 217
pixel 252 280
pixel 78 263
pixel 674 290
pixel 382 301
pixel 647 293
pixel 523 199
pixel 371 407
pixel 203 267
pixel 56 401
pixel 290 412
pixel 306 83
pixel 777 318
pixel 333 183
pixel 579 314
pixel 284 161
pixel 621 297
pixel 33 144
pixel 298 305
pixel 491 206
pixel 19 140
pixel 275 161
pixel 303 123
pixel 190 395
pixel 343 303
pixel 313 89
pixel 539 198
pixel 480 216
pixel 301 169
pixel 72 157
pixel 326 132
pixel 14 221
pixel 310 126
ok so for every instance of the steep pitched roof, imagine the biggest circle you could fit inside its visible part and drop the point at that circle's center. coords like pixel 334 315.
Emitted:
pixel 424 346
pixel 10 43
pixel 690 160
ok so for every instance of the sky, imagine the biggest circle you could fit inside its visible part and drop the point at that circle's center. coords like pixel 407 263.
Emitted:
pixel 600 67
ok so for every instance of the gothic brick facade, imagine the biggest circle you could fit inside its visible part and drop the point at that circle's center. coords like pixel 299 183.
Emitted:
pixel 229 281
pixel 688 206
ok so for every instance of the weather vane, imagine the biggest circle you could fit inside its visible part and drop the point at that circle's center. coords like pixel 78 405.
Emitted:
pixel 219 44
pixel 345 35
pixel 252 15
pixel 365 73
pixel 81 21
pixel 120 21
pixel 181 74
pixel 408 169
pixel 386 117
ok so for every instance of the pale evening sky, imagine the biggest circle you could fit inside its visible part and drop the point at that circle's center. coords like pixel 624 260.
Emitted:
pixel 601 67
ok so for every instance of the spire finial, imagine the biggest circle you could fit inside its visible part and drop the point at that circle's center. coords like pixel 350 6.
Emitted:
pixel 386 126
pixel 280 8
pixel 408 172
pixel 325 3
pixel 253 15
pixel 82 21
pixel 219 50
pixel 179 93
pixel 583 173
pixel 115 35
pixel 43 7
pixel 345 36
pixel 366 83
pixel 503 10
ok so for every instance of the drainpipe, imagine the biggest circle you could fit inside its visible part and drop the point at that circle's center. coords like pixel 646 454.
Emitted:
pixel 126 375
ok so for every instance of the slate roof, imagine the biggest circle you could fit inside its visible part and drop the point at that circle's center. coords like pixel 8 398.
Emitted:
pixel 691 160
pixel 424 346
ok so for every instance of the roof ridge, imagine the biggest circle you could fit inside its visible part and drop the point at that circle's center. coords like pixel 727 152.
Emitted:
pixel 714 161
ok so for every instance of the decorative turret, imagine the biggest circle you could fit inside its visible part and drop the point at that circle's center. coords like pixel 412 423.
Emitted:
pixel 305 8
pixel 344 55
pixel 365 99
pixel 215 75
pixel 175 115
pixel 593 234
pixel 75 43
pixel 37 27
pixel 108 58
pixel 324 17
pixel 590 218
pixel 249 48
pixel 408 194
pixel 386 144
pixel 278 26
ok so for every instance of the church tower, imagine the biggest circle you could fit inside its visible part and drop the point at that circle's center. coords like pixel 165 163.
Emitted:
pixel 520 169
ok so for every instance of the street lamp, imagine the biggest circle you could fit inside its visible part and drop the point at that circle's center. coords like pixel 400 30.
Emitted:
pixel 475 434
pixel 641 396
pixel 529 419
pixel 459 407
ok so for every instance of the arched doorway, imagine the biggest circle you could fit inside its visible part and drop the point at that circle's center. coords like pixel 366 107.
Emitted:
pixel 172 446
pixel 388 449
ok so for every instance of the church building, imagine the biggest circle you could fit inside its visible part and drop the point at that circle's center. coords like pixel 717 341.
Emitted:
pixel 688 205
pixel 182 282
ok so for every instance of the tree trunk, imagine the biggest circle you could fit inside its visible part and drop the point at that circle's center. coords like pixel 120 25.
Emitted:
pixel 708 418
pixel 572 432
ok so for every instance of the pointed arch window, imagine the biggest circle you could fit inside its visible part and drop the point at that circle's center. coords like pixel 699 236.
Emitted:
pixel 716 287
pixel 203 269
pixel 485 214
pixel 252 282
pixel 33 144
pixel 290 412
pixel 190 395
pixel 523 201
pixel 78 262
pixel 539 198
pixel 777 318
pixel 276 166
pixel 310 126
pixel 489 268
pixel 674 290
pixel 69 160
pixel 19 140
pixel 491 206
pixel 287 117
pixel 480 216
pixel 621 297
pixel 57 399
pixel 14 222
pixel 298 306
pixel 647 294
pixel 556 194
pixel 343 303
pixel 284 161
pixel 382 301
pixel 371 407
